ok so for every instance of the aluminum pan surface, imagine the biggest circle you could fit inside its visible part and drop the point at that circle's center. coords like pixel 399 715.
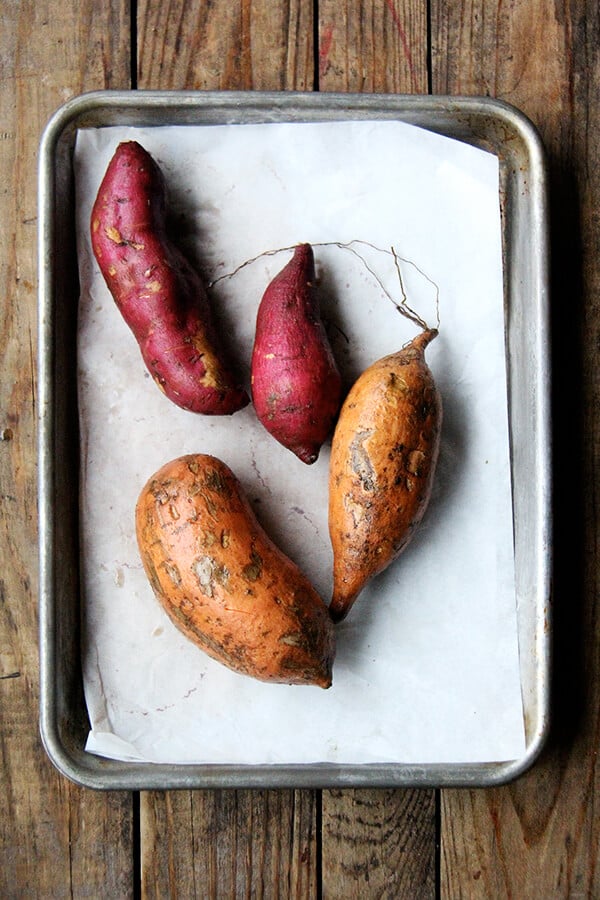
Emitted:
pixel 487 123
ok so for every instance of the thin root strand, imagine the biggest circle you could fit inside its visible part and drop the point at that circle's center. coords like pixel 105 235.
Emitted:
pixel 402 307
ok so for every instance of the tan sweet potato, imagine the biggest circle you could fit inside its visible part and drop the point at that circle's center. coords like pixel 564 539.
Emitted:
pixel 223 581
pixel 159 294
pixel 383 458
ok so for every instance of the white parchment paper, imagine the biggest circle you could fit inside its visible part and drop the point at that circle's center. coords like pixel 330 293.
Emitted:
pixel 427 666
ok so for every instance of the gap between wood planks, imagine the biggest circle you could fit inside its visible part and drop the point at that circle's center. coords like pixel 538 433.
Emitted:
pixel 133 66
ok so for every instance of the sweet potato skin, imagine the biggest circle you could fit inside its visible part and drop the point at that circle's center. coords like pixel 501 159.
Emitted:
pixel 296 385
pixel 159 294
pixel 383 459
pixel 223 581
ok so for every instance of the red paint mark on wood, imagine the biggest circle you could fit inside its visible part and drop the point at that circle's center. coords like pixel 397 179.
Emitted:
pixel 325 49
pixel 404 41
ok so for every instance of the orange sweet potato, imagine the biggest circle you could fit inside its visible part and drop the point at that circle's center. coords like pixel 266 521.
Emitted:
pixel 296 385
pixel 159 294
pixel 223 581
pixel 383 458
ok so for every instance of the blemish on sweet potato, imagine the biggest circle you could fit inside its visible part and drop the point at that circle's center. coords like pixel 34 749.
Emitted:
pixel 209 573
pixel 113 234
pixel 215 481
pixel 361 462
pixel 253 571
pixel 173 573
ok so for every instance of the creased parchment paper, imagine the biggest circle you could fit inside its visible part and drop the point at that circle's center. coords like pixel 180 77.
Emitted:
pixel 427 663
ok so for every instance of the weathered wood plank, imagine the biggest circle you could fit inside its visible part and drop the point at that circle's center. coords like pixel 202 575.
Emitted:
pixel 541 836
pixel 226 46
pixel 228 843
pixel 55 840
pixel 376 843
pixel 373 45
pixel 379 843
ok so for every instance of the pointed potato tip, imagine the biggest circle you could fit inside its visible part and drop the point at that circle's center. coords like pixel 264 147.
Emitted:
pixel 421 341
pixel 325 682
pixel 308 455
pixel 339 608
pixel 303 255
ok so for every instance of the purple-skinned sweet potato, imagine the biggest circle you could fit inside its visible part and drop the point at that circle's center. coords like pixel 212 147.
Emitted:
pixel 296 385
pixel 158 292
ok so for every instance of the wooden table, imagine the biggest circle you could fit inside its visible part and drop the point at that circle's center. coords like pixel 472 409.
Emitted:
pixel 538 837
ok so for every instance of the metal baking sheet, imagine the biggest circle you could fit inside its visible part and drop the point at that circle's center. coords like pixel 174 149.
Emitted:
pixel 483 122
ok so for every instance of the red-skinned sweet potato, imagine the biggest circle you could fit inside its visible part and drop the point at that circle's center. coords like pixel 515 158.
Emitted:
pixel 383 458
pixel 160 295
pixel 296 385
pixel 223 581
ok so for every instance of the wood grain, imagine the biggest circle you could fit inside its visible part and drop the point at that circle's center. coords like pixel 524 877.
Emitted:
pixel 238 843
pixel 541 836
pixel 379 844
pixel 373 46
pixel 248 45
pixel 229 844
pixel 54 839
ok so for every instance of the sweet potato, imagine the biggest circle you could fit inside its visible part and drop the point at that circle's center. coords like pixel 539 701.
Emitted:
pixel 296 385
pixel 223 581
pixel 383 458
pixel 160 295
